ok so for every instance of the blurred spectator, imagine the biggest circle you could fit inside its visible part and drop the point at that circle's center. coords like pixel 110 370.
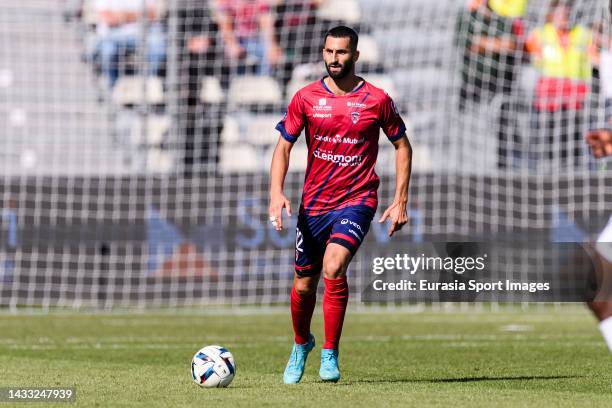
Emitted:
pixel 247 27
pixel 563 56
pixel 605 73
pixel 298 33
pixel 200 54
pixel 490 33
pixel 73 9
pixel 119 30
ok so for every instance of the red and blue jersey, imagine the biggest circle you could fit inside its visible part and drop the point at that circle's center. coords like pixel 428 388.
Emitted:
pixel 342 137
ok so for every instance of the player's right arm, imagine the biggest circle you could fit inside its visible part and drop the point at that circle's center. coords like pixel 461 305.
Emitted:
pixel 278 171
pixel 290 128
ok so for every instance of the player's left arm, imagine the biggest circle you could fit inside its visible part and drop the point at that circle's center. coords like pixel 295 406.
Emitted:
pixel 397 211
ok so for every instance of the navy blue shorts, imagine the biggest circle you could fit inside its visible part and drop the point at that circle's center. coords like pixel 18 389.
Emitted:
pixel 347 227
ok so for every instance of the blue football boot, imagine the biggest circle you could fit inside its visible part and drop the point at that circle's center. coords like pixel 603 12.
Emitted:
pixel 297 361
pixel 329 365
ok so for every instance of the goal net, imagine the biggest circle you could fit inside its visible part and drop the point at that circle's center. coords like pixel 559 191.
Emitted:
pixel 135 153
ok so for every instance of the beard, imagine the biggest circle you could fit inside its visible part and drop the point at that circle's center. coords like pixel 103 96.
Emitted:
pixel 344 69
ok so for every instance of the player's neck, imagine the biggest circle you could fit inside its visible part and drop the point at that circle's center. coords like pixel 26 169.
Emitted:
pixel 344 85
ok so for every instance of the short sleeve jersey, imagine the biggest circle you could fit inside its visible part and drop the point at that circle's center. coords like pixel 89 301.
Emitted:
pixel 342 138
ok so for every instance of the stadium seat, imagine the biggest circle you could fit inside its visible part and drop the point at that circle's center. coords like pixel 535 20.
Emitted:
pixel 368 50
pixel 231 130
pixel 130 90
pixel 159 160
pixel 302 75
pixel 211 91
pixel 156 131
pixel 161 7
pixel 415 13
pixel 298 160
pixel 294 85
pixel 310 70
pixel 88 13
pixel 240 158
pixel 382 81
pixel 421 157
pixel 423 84
pixel 260 130
pixel 346 11
pixel 427 47
pixel 254 90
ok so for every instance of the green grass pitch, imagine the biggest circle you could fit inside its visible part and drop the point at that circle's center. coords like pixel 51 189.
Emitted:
pixel 515 358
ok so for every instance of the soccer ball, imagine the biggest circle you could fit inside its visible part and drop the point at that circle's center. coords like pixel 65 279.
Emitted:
pixel 213 366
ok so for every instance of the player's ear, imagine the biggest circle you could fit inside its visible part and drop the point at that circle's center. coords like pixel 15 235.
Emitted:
pixel 355 55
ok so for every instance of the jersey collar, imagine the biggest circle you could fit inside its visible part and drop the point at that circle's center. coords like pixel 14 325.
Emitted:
pixel 358 87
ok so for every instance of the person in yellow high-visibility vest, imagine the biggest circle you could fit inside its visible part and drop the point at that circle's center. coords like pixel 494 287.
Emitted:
pixel 564 57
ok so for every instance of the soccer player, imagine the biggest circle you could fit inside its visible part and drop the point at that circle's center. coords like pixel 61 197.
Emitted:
pixel 600 142
pixel 342 115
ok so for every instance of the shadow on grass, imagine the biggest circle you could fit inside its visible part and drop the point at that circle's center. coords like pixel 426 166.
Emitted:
pixel 462 379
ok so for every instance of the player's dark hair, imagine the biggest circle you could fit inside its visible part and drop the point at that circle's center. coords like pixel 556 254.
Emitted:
pixel 343 32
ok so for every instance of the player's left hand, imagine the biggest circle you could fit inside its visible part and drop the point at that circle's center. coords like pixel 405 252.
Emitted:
pixel 600 142
pixel 398 214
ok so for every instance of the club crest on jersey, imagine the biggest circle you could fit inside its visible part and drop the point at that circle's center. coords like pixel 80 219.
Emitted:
pixel 355 117
pixel 322 102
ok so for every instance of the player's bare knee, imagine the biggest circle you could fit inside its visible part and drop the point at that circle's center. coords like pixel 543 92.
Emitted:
pixel 333 268
pixel 305 287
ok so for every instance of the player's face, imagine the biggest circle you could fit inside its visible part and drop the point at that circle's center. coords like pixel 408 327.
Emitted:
pixel 338 57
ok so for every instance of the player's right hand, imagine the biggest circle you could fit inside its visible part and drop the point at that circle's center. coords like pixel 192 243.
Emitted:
pixel 278 201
